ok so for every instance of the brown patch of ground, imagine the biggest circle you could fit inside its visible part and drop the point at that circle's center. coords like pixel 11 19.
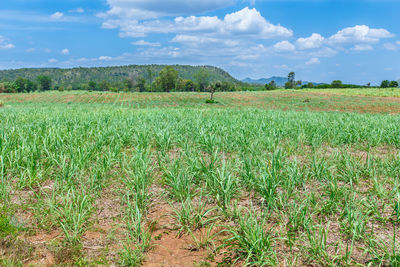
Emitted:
pixel 171 248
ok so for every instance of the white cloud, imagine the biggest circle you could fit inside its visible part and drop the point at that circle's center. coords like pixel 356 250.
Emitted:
pixel 314 41
pixel 145 43
pixel 360 34
pixel 313 61
pixel 398 42
pixel 201 40
pixel 282 67
pixel 250 21
pixel 284 46
pixel 30 50
pixel 152 9
pixel 246 22
pixel 392 46
pixel 105 58
pixel 57 15
pixel 362 47
pixel 53 60
pixel 388 69
pixel 78 10
pixel 5 44
pixel 65 51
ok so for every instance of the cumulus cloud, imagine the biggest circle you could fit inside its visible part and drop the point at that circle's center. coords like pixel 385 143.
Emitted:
pixel 314 41
pixel 145 43
pixel 65 51
pixel 362 47
pixel 284 46
pixel 313 61
pixel 53 60
pixel 246 22
pixel 57 15
pixel 360 34
pixel 5 44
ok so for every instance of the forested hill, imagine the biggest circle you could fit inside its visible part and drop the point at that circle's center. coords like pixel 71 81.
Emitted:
pixel 112 74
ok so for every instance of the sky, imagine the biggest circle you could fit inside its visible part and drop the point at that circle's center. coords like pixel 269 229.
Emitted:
pixel 356 41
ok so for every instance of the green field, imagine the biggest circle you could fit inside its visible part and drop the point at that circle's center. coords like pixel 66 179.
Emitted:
pixel 283 178
pixel 387 92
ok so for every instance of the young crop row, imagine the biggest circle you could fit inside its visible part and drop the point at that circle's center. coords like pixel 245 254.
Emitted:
pixel 244 186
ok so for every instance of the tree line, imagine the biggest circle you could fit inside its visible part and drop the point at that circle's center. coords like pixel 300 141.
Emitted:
pixel 293 84
pixel 167 80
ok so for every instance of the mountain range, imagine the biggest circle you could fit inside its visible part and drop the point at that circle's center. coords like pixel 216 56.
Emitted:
pixel 280 81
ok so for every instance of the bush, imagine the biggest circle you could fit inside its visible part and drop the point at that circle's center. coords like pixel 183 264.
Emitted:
pixel 385 84
pixel 211 101
pixel 394 84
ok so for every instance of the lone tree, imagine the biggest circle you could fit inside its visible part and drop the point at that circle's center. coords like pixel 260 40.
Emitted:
pixel 385 84
pixel 44 82
pixel 336 84
pixel 291 81
pixel 213 88
pixel 167 79
pixel 202 78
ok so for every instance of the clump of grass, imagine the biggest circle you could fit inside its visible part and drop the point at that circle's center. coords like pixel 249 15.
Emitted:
pixel 7 228
pixel 251 240
pixel 191 217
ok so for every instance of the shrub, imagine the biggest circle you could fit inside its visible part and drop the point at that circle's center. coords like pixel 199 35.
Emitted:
pixel 211 101
pixel 385 84
pixel 394 84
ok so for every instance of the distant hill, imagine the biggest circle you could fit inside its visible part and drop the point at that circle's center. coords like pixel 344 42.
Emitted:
pixel 111 74
pixel 280 81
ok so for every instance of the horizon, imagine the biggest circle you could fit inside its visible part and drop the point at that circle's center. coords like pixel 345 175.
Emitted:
pixel 319 40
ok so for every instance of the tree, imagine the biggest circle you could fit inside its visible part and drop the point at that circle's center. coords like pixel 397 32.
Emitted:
pixel 92 86
pixel 104 86
pixel 270 86
pixel 167 79
pixel 30 86
pixel 214 87
pixel 141 84
pixel 291 81
pixel 202 78
pixel 150 77
pixel 189 85
pixel 128 84
pixel 44 82
pixel 336 84
pixel 394 84
pixel 310 85
pixel 20 84
pixel 385 84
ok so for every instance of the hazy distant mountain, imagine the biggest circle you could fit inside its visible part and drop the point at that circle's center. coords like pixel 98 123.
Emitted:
pixel 280 81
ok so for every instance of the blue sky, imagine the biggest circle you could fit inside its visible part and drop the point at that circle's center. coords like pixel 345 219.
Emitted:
pixel 357 41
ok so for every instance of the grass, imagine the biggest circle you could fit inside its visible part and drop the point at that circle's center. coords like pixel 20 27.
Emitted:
pixel 380 92
pixel 256 179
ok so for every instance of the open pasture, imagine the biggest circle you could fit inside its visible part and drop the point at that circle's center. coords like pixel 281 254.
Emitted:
pixel 286 178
